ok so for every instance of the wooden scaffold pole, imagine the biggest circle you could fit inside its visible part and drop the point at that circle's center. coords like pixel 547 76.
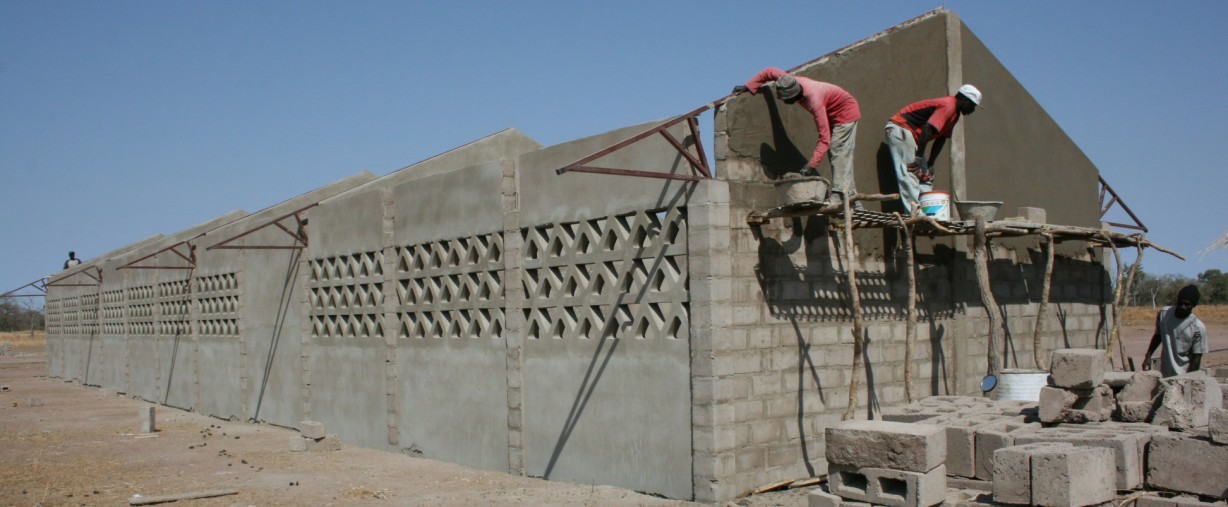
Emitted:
pixel 1038 329
pixel 855 300
pixel 980 255
pixel 910 333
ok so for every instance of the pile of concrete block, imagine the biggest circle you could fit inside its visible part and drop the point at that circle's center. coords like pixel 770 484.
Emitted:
pixel 311 437
pixel 884 463
pixel 1076 392
pixel 1053 474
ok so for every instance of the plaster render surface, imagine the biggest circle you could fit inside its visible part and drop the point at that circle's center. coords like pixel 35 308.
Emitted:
pixel 349 389
pixel 454 402
pixel 454 204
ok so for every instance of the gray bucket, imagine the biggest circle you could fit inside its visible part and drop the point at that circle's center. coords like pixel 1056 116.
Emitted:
pixel 795 188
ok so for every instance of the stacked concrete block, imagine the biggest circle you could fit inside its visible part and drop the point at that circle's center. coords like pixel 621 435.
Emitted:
pixel 1117 379
pixel 936 406
pixel 961 431
pixel 1053 474
pixel 1187 401
pixel 1077 368
pixel 1127 448
pixel 1062 405
pixel 1188 463
pixel 887 463
pixel 991 437
pixel 313 438
pixel 1217 425
pixel 1137 400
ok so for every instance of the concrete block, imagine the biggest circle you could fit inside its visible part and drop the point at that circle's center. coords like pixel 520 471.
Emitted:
pixel 1077 368
pixel 1058 405
pixel 1217 425
pixel 961 439
pixel 35 402
pixel 1012 471
pixel 311 429
pixel 1117 379
pixel 820 498
pixel 1188 464
pixel 883 444
pixel 328 443
pixel 992 437
pixel 1176 501
pixel 1031 214
pixel 1136 411
pixel 148 422
pixel 893 488
pixel 298 443
pixel 1142 386
pixel 1187 401
pixel 1128 448
pixel 1073 477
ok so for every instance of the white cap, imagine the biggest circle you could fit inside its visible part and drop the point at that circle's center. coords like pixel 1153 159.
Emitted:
pixel 972 93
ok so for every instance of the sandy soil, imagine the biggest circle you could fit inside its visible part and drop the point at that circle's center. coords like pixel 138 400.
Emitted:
pixel 62 444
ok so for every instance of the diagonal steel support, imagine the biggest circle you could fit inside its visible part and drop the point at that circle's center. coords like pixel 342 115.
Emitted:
pixel 184 250
pixel 699 163
pixel 93 272
pixel 40 285
pixel 299 233
pixel 1105 189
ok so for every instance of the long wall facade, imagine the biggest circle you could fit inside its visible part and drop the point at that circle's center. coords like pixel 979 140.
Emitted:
pixel 481 309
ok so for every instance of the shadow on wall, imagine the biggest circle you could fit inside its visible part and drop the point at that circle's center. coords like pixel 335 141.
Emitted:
pixel 782 156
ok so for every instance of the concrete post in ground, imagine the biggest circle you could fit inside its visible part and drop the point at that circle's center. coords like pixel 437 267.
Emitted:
pixel 147 420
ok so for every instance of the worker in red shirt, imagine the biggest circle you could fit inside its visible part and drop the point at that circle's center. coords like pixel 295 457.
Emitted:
pixel 913 128
pixel 835 114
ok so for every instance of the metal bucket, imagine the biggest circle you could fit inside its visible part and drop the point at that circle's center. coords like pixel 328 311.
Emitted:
pixel 1020 384
pixel 936 205
pixel 794 189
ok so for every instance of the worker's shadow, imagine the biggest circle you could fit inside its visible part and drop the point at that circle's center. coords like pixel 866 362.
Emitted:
pixel 781 156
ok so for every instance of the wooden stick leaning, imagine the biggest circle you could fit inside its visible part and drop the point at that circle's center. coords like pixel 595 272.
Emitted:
pixel 855 300
pixel 910 334
pixel 1037 354
pixel 1108 347
pixel 981 257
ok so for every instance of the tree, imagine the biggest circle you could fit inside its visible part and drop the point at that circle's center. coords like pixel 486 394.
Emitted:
pixel 15 318
pixel 1213 284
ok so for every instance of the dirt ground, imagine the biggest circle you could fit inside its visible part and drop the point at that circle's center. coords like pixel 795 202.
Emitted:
pixel 62 444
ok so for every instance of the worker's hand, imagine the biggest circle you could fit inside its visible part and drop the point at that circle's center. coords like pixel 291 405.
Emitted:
pixel 740 89
pixel 922 170
pixel 809 171
pixel 1147 364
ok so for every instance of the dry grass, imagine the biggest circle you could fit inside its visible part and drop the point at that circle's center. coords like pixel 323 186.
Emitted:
pixel 1146 314
pixel 23 341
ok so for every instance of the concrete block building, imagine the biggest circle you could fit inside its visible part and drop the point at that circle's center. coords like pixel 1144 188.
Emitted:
pixel 621 323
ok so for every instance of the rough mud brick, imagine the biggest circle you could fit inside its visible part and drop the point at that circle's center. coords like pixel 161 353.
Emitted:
pixel 1058 405
pixel 1217 425
pixel 893 488
pixel 1077 368
pixel 311 429
pixel 961 439
pixel 1187 401
pixel 992 437
pixel 884 444
pixel 1073 477
pixel 1188 464
pixel 1128 448
pixel 1012 471
pixel 1176 501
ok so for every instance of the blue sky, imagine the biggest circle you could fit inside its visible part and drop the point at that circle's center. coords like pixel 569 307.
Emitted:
pixel 124 119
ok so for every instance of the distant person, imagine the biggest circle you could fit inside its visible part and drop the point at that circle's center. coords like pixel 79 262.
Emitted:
pixel 835 114
pixel 72 260
pixel 1181 336
pixel 913 128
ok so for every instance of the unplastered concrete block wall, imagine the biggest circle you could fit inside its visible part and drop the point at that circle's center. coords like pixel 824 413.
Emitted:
pixel 781 334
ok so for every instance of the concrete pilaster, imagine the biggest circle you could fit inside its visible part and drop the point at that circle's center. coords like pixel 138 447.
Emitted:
pixel 514 301
pixel 391 319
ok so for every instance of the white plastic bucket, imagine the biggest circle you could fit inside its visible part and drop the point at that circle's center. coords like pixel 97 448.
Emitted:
pixel 936 205
pixel 1020 384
